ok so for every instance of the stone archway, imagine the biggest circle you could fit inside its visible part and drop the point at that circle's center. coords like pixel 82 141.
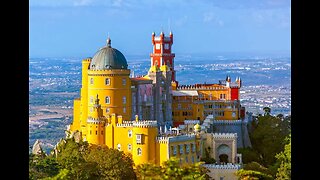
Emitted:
pixel 224 153
pixel 223 158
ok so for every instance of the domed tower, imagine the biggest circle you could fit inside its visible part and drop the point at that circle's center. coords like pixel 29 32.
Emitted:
pixel 108 77
pixel 95 125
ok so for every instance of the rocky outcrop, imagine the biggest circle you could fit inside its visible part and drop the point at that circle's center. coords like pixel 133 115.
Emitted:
pixel 36 149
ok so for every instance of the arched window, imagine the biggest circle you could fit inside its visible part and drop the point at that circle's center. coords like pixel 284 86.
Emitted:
pixel 130 133
pixel 108 100
pixel 119 147
pixel 124 100
pixel 107 81
pixel 139 151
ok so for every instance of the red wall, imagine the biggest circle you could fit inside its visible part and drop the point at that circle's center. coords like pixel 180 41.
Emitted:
pixel 234 94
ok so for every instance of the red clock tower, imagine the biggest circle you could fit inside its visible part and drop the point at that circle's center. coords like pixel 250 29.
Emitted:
pixel 162 52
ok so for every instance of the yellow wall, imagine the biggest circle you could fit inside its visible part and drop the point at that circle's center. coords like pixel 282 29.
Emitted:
pixel 200 103
pixel 116 91
pixel 121 137
pixel 76 115
pixel 84 96
pixel 148 145
pixel 183 156
pixel 95 133
pixel 161 153
pixel 187 105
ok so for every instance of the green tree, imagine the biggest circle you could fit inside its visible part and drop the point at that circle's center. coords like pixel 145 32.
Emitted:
pixel 248 155
pixel 252 175
pixel 267 138
pixel 284 159
pixel 148 171
pixel 207 159
pixel 172 169
pixel 196 171
pixel 110 163
pixel 71 157
pixel 42 166
pixel 254 166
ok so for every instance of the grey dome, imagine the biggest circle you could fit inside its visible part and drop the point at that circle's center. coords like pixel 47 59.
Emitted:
pixel 108 58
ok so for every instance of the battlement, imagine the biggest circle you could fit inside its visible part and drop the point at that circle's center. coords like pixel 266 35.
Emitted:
pixel 124 125
pixel 178 138
pixel 229 122
pixel 191 121
pixel 202 87
pixel 86 60
pixel 145 123
pixel 224 135
pixel 222 166
pixel 91 120
pixel 162 140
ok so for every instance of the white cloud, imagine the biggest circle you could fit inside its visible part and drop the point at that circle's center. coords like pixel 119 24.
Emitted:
pixel 210 17
pixel 181 21
pixel 82 2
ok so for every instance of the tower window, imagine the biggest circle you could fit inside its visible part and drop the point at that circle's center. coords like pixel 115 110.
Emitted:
pixel 90 132
pixel 119 147
pixel 157 46
pixel 91 99
pixel 129 147
pixel 174 150
pixel 124 82
pixel 107 81
pixel 108 100
pixel 107 110
pixel 124 100
pixel 91 109
pixel 130 133
pixel 187 148
pixel 124 110
pixel 96 132
pixel 91 80
pixel 139 151
pixel 139 138
pixel 193 147
pixel 166 46
pixel 181 149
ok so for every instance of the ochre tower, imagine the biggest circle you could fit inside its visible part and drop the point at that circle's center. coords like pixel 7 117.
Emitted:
pixel 96 125
pixel 162 56
pixel 108 77
pixel 144 141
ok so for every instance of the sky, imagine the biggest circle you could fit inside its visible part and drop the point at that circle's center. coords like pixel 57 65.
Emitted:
pixel 78 28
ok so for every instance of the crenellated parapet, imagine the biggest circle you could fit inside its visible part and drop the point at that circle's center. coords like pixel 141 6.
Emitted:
pixel 229 122
pixel 224 135
pixel 162 140
pixel 201 87
pixel 145 123
pixel 124 125
pixel 191 121
pixel 99 120
pixel 222 166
